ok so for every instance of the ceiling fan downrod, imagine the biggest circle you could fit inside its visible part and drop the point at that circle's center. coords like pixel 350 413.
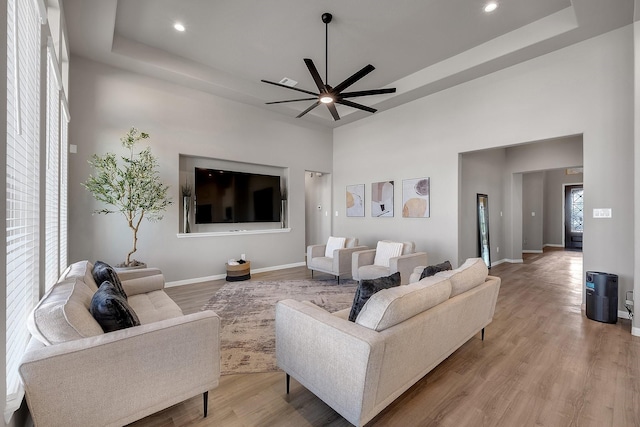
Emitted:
pixel 326 18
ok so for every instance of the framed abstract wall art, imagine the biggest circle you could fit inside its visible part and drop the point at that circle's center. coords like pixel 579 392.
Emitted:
pixel 355 200
pixel 382 199
pixel 415 198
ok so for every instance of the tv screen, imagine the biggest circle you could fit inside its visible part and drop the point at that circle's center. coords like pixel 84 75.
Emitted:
pixel 229 197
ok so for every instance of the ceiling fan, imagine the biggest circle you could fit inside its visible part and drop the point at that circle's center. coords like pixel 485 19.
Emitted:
pixel 328 95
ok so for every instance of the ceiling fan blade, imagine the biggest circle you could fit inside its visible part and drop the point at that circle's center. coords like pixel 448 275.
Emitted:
pixel 354 78
pixel 355 105
pixel 314 105
pixel 367 92
pixel 334 111
pixel 291 100
pixel 316 76
pixel 290 87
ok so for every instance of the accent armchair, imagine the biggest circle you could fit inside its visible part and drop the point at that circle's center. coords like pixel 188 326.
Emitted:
pixel 334 257
pixel 388 258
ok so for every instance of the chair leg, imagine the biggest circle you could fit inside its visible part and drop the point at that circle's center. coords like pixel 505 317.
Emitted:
pixel 312 274
pixel 205 401
pixel 288 382
pixel 482 334
pixel 338 277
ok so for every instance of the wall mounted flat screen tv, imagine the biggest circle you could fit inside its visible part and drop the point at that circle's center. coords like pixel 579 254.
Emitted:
pixel 231 197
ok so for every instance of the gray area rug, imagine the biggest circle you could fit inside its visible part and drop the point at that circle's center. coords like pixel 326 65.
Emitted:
pixel 247 316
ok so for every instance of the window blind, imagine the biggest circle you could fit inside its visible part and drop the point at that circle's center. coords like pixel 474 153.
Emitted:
pixel 64 182
pixel 52 183
pixel 22 184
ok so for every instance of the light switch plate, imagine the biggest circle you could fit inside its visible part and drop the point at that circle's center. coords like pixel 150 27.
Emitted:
pixel 602 213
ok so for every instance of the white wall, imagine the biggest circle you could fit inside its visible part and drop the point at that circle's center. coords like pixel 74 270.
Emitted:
pixel 532 211
pixel 585 89
pixel 106 101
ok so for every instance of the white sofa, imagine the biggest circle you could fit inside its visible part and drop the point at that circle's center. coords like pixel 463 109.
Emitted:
pixel 74 374
pixel 359 368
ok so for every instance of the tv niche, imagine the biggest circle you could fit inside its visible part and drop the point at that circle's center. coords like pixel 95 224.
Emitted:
pixel 223 196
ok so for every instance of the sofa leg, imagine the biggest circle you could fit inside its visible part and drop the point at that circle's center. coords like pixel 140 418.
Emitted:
pixel 482 334
pixel 338 277
pixel 288 382
pixel 312 274
pixel 205 401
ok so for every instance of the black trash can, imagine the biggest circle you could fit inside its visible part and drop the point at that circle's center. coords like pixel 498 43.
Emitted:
pixel 602 296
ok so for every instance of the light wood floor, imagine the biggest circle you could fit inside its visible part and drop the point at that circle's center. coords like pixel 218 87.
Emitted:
pixel 542 363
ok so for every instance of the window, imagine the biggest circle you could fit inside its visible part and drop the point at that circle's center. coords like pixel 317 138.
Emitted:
pixel 577 209
pixel 22 184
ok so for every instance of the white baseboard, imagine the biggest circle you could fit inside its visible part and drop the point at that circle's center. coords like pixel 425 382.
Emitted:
pixel 503 260
pixel 510 261
pixel 553 245
pixel 222 276
pixel 623 314
pixel 531 251
pixel 195 280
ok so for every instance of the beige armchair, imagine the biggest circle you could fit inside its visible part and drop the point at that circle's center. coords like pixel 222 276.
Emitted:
pixel 335 261
pixel 388 258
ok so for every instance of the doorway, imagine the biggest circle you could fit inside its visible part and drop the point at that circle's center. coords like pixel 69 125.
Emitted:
pixel 317 207
pixel 573 217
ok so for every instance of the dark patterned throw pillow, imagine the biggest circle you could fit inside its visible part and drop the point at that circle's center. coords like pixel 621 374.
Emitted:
pixel 103 272
pixel 368 288
pixel 433 269
pixel 111 310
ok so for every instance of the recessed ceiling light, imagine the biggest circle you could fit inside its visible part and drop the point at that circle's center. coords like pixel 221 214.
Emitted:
pixel 179 27
pixel 491 6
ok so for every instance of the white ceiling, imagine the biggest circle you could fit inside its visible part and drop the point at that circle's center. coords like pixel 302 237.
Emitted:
pixel 417 46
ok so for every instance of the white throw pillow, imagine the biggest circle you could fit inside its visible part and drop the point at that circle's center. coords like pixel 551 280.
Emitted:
pixel 386 250
pixel 332 244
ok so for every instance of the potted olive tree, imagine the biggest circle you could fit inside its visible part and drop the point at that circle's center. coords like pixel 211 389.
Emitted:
pixel 131 186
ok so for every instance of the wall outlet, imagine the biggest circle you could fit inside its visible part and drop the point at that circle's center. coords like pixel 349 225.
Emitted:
pixel 497 249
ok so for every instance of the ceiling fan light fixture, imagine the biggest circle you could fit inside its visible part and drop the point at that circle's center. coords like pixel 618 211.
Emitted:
pixel 326 99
